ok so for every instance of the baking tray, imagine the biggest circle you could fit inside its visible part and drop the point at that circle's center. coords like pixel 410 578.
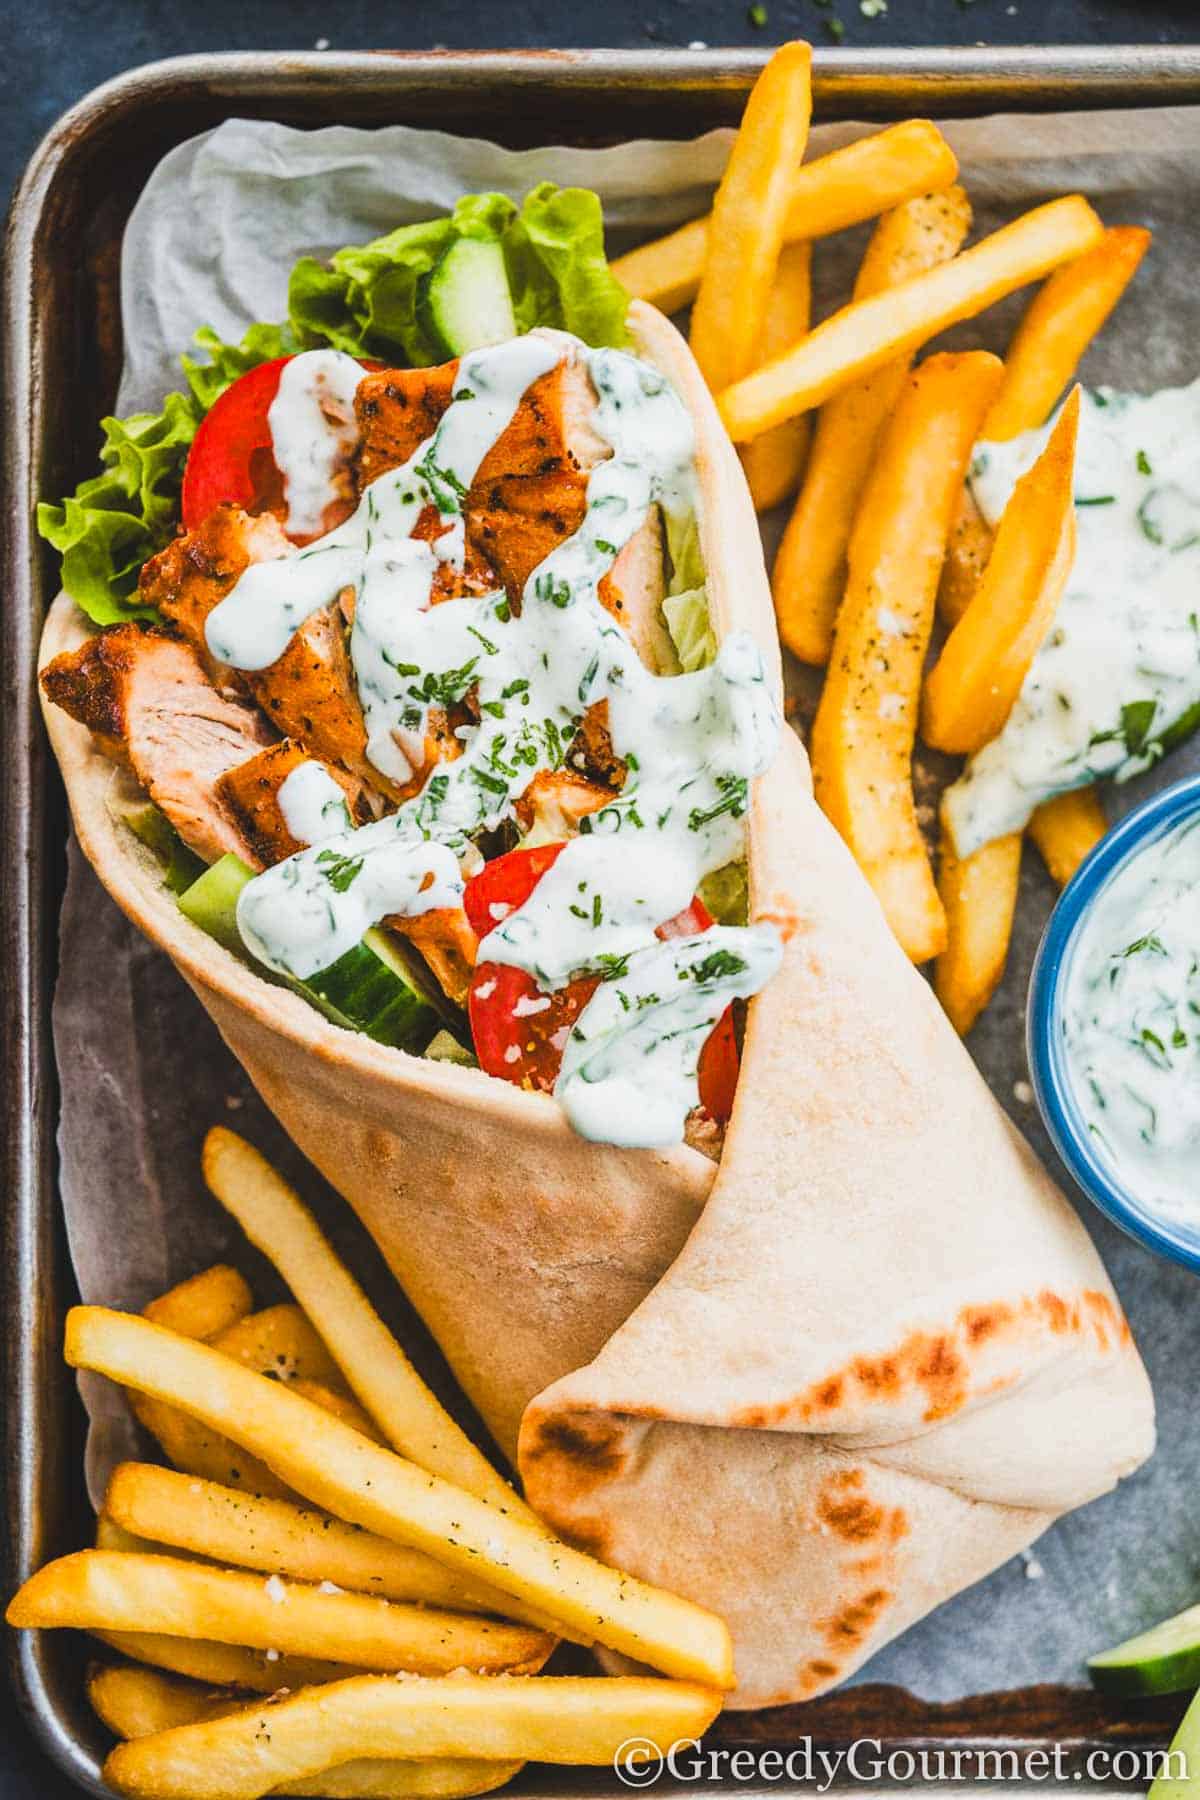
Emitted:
pixel 62 353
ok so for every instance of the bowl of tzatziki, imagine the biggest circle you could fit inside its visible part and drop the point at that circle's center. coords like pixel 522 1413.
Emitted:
pixel 1114 1024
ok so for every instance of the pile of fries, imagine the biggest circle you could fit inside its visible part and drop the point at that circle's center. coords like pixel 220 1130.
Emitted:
pixel 884 538
pixel 332 1591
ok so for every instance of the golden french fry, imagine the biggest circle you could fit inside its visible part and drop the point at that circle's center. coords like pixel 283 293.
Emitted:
pixel 331 1400
pixel 1062 319
pixel 223 1665
pixel 857 182
pixel 980 897
pixel 749 217
pixel 281 1538
pixel 867 333
pixel 372 1362
pixel 863 735
pixel 774 462
pixel 1067 829
pixel 357 1481
pixel 138 1702
pixel 112 1536
pixel 564 1719
pixel 809 577
pixel 130 1592
pixel 280 1341
pixel 204 1304
pixel 967 553
pixel 975 682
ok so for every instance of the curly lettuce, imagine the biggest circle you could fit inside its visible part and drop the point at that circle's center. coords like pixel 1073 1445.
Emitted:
pixel 368 301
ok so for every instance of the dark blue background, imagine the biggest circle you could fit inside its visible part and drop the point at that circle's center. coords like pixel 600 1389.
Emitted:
pixel 58 51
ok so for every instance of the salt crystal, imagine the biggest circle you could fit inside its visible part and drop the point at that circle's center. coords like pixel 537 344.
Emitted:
pixel 276 1590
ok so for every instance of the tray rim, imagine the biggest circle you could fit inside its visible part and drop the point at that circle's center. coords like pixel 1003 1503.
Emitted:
pixel 873 84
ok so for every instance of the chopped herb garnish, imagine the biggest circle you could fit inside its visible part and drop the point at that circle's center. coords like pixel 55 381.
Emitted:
pixel 339 871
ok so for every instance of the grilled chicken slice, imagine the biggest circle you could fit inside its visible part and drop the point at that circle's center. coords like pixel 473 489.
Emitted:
pixel 187 579
pixel 397 410
pixel 150 702
pixel 555 801
pixel 448 945
pixel 250 794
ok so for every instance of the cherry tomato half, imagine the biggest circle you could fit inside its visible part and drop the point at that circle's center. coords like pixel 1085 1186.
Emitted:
pixel 519 1032
pixel 232 455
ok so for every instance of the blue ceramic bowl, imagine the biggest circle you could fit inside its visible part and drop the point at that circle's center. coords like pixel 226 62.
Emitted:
pixel 1047 1056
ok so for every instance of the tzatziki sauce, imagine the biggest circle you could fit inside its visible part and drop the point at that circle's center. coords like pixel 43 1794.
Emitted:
pixel 314 433
pixel 691 744
pixel 1117 681
pixel 1130 1022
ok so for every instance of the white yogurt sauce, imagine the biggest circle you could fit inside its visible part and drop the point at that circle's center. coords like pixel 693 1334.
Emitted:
pixel 1131 1022
pixel 312 804
pixel 691 743
pixel 1117 681
pixel 313 433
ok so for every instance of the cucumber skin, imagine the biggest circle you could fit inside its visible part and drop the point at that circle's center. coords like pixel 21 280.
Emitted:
pixel 1172 1673
pixel 366 990
pixel 479 264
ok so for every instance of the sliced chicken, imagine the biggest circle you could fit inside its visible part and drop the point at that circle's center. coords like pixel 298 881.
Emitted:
pixel 397 410
pixel 448 945
pixel 250 794
pixel 555 801
pixel 187 579
pixel 150 702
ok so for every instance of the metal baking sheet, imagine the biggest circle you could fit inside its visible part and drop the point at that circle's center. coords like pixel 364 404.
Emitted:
pixel 62 346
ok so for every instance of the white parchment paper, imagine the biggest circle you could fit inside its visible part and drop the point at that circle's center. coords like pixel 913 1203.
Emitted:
pixel 143 1072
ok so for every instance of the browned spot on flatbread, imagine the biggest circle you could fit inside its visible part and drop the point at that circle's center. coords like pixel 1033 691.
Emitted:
pixel 590 1441
pixel 982 1322
pixel 843 1509
pixel 856 1620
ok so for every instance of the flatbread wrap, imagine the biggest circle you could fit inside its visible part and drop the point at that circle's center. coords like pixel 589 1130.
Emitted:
pixel 819 1384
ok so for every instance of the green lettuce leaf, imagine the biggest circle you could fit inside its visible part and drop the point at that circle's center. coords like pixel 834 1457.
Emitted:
pixel 692 635
pixel 557 269
pixel 116 520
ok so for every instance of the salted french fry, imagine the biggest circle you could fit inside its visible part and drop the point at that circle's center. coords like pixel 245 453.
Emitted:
pixel 137 1703
pixel 204 1304
pixel 749 218
pixel 863 735
pixel 967 553
pixel 372 1362
pixel 1067 829
pixel 974 685
pixel 332 1400
pixel 112 1536
pixel 843 188
pixel 1062 319
pixel 280 1341
pixel 129 1592
pixel 357 1481
pixel 774 462
pixel 566 1719
pixel 156 1507
pixel 980 898
pixel 223 1665
pixel 809 577
pixel 867 333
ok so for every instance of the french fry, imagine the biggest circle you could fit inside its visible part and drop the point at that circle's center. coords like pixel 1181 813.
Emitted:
pixel 332 1400
pixel 204 1304
pixel 372 1362
pixel 967 553
pixel 223 1665
pixel 566 1719
pixel 775 461
pixel 129 1592
pixel 357 1481
pixel 280 1341
pixel 862 739
pixel 867 333
pixel 137 1703
pixel 809 577
pixel 161 1507
pixel 980 897
pixel 972 688
pixel 112 1536
pixel 1067 829
pixel 857 182
pixel 749 218
pixel 1062 319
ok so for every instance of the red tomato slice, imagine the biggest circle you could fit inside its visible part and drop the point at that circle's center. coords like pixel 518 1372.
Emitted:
pixel 232 456
pixel 519 1032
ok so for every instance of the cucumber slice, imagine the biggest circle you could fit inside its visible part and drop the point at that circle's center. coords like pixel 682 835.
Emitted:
pixel 1177 1780
pixel 1164 1660
pixel 151 827
pixel 468 304
pixel 372 989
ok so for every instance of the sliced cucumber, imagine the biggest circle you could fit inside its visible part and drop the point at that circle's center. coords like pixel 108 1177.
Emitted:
pixel 151 827
pixel 1177 1779
pixel 468 303
pixel 372 989
pixel 1163 1660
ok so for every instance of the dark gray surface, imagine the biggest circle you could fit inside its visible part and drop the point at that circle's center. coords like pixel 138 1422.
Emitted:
pixel 57 52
